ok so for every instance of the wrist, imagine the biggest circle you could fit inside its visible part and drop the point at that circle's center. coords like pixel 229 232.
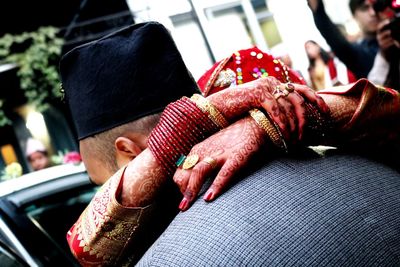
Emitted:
pixel 270 128
pixel 237 101
pixel 183 124
pixel 141 180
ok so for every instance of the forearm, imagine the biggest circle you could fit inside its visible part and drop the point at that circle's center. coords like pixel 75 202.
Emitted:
pixel 134 193
pixel 143 180
pixel 330 32
pixel 103 231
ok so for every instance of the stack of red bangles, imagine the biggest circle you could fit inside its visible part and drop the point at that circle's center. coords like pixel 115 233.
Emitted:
pixel 187 122
pixel 183 124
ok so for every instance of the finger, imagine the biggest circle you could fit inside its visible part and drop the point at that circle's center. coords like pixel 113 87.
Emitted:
pixel 198 175
pixel 311 96
pixel 386 34
pixel 276 112
pixel 299 111
pixel 181 179
pixel 287 109
pixel 386 43
pixel 224 178
pixel 278 115
pixel 290 115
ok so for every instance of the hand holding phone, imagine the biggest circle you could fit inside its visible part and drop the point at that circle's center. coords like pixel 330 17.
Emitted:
pixel 394 27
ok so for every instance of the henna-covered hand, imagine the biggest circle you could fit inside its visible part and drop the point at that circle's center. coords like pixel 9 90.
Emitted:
pixel 230 156
pixel 288 112
pixel 294 108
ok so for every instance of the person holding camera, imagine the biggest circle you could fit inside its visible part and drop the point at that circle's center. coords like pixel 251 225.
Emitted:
pixel 386 68
pixel 357 56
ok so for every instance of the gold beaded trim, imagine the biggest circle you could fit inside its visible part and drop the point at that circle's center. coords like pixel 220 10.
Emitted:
pixel 273 132
pixel 214 75
pixel 213 113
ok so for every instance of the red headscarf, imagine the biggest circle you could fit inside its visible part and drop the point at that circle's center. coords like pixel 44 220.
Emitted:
pixel 244 66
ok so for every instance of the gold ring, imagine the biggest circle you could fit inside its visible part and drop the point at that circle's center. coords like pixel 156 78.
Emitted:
pixel 210 161
pixel 289 87
pixel 277 90
pixel 277 93
pixel 285 92
pixel 190 161
pixel 277 96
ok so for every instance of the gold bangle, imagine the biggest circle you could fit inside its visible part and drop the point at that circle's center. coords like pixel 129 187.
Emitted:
pixel 213 113
pixel 272 130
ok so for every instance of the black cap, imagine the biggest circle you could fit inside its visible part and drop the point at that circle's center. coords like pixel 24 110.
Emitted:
pixel 129 74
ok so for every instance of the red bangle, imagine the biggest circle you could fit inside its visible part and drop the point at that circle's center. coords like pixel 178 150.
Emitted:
pixel 182 125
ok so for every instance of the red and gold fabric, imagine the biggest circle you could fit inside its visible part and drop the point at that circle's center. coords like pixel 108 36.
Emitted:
pixel 104 229
pixel 372 120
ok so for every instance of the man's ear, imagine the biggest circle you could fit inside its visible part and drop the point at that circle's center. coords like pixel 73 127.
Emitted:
pixel 127 149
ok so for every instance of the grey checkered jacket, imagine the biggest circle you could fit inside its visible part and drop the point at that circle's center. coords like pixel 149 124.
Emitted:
pixel 339 210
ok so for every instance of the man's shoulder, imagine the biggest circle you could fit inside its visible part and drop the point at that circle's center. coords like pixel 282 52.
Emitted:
pixel 308 210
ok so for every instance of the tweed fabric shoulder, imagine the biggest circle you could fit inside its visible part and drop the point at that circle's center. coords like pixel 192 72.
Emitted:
pixel 337 211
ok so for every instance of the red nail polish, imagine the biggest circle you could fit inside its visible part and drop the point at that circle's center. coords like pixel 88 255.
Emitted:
pixel 209 195
pixel 184 204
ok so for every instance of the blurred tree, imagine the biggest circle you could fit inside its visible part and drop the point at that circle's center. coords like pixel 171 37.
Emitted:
pixel 36 55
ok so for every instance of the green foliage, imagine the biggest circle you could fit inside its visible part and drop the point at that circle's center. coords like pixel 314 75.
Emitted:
pixel 37 55
pixel 3 118
pixel 11 171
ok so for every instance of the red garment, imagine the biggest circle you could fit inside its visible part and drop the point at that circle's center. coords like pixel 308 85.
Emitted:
pixel 334 74
pixel 244 66
pixel 103 230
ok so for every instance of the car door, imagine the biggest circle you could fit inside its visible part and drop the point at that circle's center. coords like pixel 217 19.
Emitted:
pixel 34 221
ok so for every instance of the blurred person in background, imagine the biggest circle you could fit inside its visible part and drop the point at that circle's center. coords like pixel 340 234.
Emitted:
pixel 37 154
pixel 325 70
pixel 357 56
pixel 386 69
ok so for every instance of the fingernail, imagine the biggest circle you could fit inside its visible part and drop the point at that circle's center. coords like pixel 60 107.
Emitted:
pixel 209 195
pixel 184 204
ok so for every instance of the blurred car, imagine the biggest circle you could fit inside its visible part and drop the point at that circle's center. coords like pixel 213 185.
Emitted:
pixel 37 210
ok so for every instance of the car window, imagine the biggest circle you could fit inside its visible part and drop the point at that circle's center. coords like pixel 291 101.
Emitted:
pixel 54 216
pixel 40 215
pixel 8 258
